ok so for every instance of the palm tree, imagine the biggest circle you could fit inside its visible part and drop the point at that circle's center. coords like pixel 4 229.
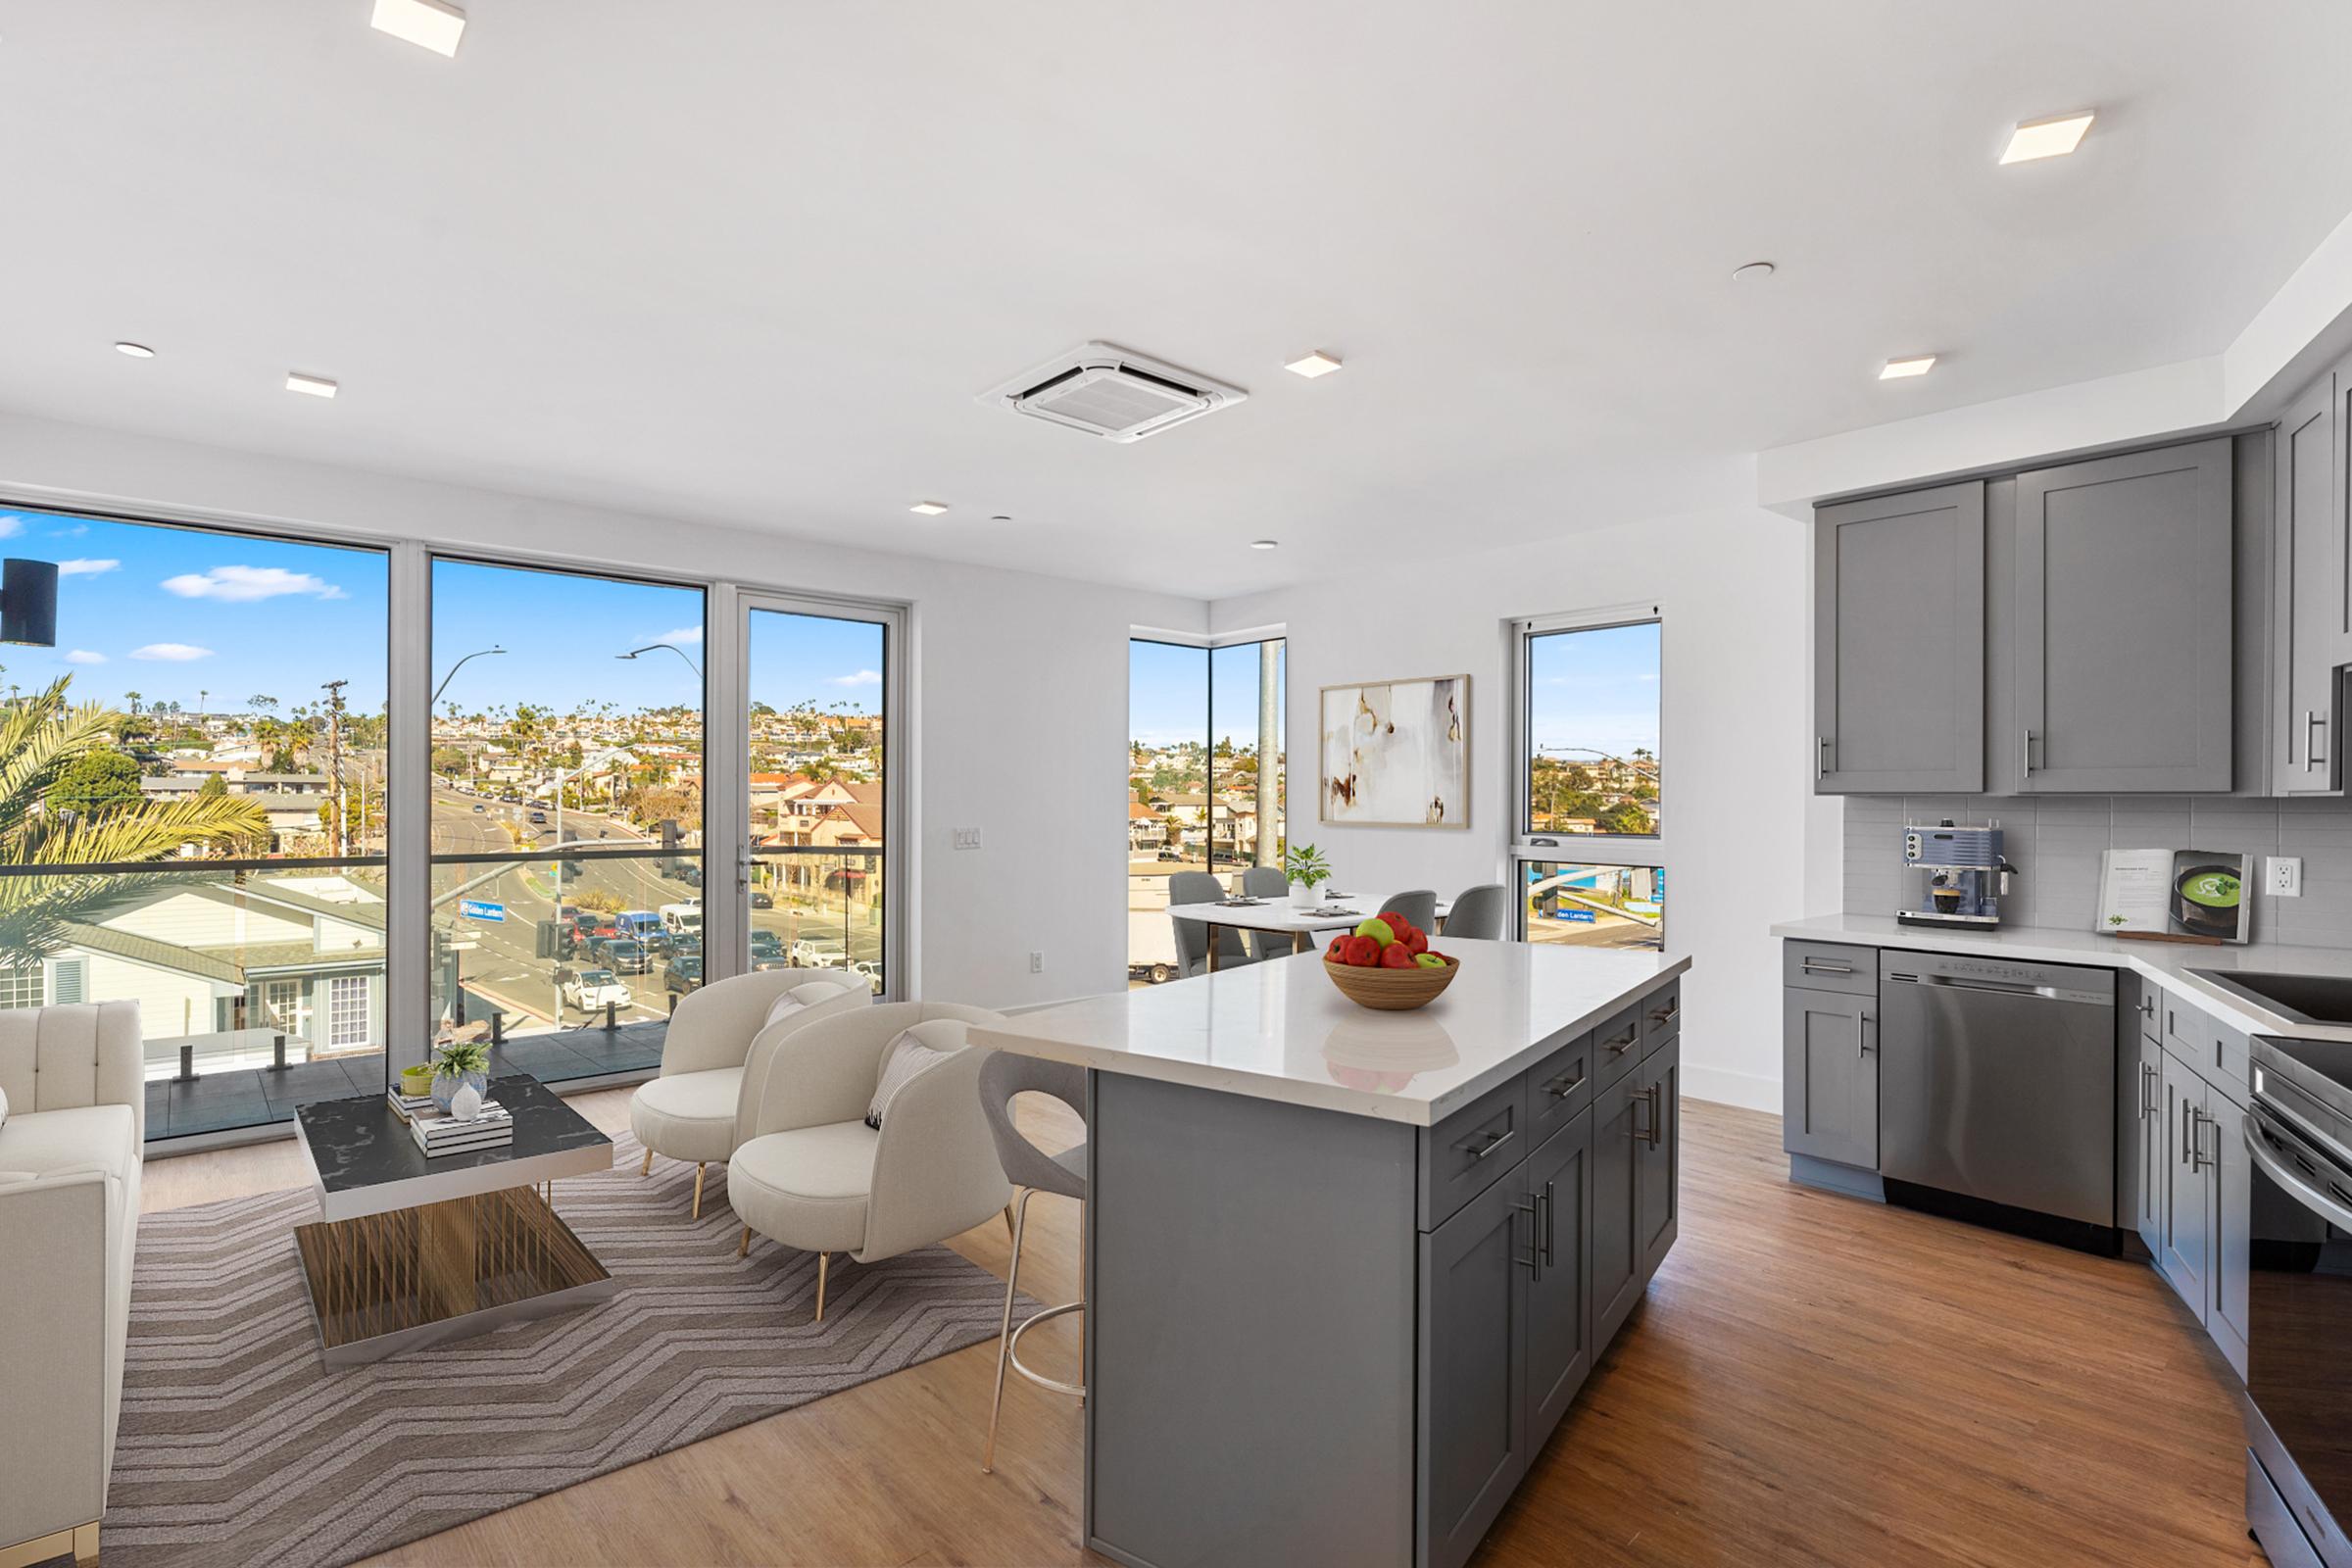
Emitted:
pixel 39 738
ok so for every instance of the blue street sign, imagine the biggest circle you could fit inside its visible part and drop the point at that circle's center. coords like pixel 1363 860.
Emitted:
pixel 1580 916
pixel 481 909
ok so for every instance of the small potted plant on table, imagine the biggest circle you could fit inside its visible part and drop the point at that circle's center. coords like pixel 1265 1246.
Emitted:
pixel 460 1064
pixel 1306 868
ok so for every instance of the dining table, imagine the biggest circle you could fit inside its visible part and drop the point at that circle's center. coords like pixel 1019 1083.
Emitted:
pixel 1279 916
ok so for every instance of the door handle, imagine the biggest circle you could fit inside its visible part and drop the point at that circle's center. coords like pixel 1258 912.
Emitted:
pixel 1643 1102
pixel 2028 753
pixel 2312 721
pixel 1657 1114
pixel 1862 1037
pixel 1550 1210
pixel 1532 1262
pixel 2197 1160
pixel 1562 1087
pixel 2147 1089
pixel 2182 1157
pixel 1621 1047
pixel 1827 966
pixel 1821 757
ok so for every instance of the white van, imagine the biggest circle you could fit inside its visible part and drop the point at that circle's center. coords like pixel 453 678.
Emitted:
pixel 683 919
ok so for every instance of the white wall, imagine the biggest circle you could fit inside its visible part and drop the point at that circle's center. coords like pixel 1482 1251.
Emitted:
pixel 1020 681
pixel 1733 585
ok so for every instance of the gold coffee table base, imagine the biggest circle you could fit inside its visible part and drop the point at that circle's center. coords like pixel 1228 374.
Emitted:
pixel 388 1283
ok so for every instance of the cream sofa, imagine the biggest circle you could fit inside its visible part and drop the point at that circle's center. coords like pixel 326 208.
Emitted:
pixel 70 1153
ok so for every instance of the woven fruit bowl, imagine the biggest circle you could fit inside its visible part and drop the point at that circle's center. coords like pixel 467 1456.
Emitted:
pixel 1390 989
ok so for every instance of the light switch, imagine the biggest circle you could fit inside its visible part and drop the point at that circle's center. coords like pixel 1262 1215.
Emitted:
pixel 967 838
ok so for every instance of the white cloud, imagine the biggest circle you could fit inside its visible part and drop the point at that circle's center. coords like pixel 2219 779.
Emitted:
pixel 684 634
pixel 244 584
pixel 864 677
pixel 85 566
pixel 73 532
pixel 11 525
pixel 83 656
pixel 171 653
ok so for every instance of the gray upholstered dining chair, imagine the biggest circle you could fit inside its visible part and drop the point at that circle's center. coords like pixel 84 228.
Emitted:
pixel 1031 1170
pixel 1192 937
pixel 1478 912
pixel 1420 907
pixel 1266 882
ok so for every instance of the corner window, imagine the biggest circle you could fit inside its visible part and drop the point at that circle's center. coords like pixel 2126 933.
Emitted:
pixel 1591 827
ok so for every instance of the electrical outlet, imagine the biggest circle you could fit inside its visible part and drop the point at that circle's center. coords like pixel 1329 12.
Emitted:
pixel 967 838
pixel 1036 964
pixel 2282 876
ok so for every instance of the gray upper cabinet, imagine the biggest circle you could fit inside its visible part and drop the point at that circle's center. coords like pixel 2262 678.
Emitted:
pixel 2308 597
pixel 2124 624
pixel 1898 667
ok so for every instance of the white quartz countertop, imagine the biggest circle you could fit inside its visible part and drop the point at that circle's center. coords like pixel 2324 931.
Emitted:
pixel 1281 1030
pixel 2167 963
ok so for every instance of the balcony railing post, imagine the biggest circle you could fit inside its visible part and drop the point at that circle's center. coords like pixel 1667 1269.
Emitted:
pixel 187 1064
pixel 610 1009
pixel 278 1053
pixel 498 1026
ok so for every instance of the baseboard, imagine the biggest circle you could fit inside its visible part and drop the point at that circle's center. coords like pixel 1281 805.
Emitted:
pixel 1728 1088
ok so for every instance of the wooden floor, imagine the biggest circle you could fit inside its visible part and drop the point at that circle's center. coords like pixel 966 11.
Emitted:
pixel 1812 1380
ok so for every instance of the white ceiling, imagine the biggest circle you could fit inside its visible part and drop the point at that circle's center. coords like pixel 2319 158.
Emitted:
pixel 749 261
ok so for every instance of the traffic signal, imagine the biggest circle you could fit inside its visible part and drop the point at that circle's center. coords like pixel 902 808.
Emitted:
pixel 550 940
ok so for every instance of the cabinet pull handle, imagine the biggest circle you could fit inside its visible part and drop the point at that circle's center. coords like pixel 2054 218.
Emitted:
pixel 1862 1038
pixel 1821 757
pixel 1562 1087
pixel 1621 1047
pixel 1493 1141
pixel 1550 1209
pixel 1657 1114
pixel 1640 1102
pixel 2028 753
pixel 2181 1157
pixel 1827 966
pixel 2147 1089
pixel 1532 1262
pixel 2311 751
pixel 1668 1013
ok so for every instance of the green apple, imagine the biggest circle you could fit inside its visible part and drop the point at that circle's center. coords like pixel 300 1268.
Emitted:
pixel 1428 961
pixel 1378 930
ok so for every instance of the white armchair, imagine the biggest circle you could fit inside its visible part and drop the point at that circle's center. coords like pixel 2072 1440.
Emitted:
pixel 70 1153
pixel 719 1040
pixel 812 1175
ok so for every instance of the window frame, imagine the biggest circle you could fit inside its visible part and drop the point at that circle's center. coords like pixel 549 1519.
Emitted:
pixel 1636 851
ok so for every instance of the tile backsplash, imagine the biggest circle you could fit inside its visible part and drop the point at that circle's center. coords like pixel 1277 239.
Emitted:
pixel 2054 842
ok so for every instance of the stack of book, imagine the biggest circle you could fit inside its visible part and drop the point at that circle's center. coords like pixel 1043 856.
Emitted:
pixel 407 1107
pixel 446 1135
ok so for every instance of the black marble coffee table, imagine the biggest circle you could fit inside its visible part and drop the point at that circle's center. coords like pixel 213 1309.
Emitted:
pixel 409 1252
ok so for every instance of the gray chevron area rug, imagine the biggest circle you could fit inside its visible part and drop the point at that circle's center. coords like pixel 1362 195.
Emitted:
pixel 239 1447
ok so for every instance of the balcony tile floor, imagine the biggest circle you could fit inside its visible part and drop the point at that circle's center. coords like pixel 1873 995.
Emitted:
pixel 259 1097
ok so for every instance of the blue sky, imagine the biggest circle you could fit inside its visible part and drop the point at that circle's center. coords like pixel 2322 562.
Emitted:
pixel 1168 693
pixel 170 613
pixel 1596 688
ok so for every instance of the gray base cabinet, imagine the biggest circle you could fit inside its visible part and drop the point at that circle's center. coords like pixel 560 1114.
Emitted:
pixel 1362 1372
pixel 1830 1076
pixel 2184 1255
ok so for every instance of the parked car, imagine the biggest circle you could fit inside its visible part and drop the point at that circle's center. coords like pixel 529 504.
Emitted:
pixel 538 817
pixel 686 944
pixel 763 901
pixel 685 972
pixel 479 808
pixel 628 955
pixel 806 955
pixel 1171 854
pixel 691 874
pixel 589 989
pixel 686 916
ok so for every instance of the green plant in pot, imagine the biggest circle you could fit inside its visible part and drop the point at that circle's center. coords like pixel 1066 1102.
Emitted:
pixel 458 1064
pixel 1306 868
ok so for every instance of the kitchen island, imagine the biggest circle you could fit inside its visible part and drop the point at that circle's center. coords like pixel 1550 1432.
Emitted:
pixel 1345 1270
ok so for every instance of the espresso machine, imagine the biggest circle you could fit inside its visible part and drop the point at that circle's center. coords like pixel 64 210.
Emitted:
pixel 1967 874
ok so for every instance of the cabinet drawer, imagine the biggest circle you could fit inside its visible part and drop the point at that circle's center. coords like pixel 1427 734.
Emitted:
pixel 1463 1154
pixel 1831 966
pixel 1661 1016
pixel 1557 1088
pixel 1617 1046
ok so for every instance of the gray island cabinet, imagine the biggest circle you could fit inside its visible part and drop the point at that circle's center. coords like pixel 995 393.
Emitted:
pixel 1347 1270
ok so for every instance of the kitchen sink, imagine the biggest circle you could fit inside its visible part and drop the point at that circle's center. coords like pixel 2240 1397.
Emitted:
pixel 2306 999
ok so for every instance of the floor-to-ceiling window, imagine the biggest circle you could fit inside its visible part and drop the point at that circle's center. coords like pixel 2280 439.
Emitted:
pixel 1590 846
pixel 566 827
pixel 195 805
pixel 817 685
pixel 1205 778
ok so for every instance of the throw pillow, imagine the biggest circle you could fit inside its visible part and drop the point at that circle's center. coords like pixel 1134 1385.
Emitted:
pixel 3 1108
pixel 914 1052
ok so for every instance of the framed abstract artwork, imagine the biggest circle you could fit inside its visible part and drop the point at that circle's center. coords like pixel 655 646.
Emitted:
pixel 1396 754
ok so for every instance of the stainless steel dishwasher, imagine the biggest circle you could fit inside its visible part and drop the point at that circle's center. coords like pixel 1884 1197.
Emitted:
pixel 1997 1093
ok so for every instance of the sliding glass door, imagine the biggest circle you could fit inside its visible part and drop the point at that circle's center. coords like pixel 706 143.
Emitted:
pixel 820 684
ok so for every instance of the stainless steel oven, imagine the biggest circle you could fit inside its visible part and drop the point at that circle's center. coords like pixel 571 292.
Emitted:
pixel 2299 1301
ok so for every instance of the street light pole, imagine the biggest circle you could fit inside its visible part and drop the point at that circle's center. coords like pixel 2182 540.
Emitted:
pixel 673 648
pixel 453 672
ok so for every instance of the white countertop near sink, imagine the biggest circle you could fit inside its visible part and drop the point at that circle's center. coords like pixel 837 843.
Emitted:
pixel 2167 963
pixel 1281 1030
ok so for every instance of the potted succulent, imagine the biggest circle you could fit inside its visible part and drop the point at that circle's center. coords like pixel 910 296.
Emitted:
pixel 460 1064
pixel 417 1081
pixel 1305 867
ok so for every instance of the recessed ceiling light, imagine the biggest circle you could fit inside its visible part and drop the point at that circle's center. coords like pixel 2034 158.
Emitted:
pixel 2053 137
pixel 1752 273
pixel 137 351
pixel 1897 369
pixel 1263 544
pixel 928 509
pixel 318 387
pixel 433 25
pixel 1313 364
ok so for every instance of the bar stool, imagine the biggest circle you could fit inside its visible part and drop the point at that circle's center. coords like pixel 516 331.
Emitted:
pixel 1031 1170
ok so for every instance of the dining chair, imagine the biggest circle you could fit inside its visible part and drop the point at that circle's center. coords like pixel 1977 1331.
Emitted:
pixel 1192 936
pixel 1478 912
pixel 1273 883
pixel 1420 906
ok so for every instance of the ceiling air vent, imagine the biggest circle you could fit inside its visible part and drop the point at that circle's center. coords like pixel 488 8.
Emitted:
pixel 1104 390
